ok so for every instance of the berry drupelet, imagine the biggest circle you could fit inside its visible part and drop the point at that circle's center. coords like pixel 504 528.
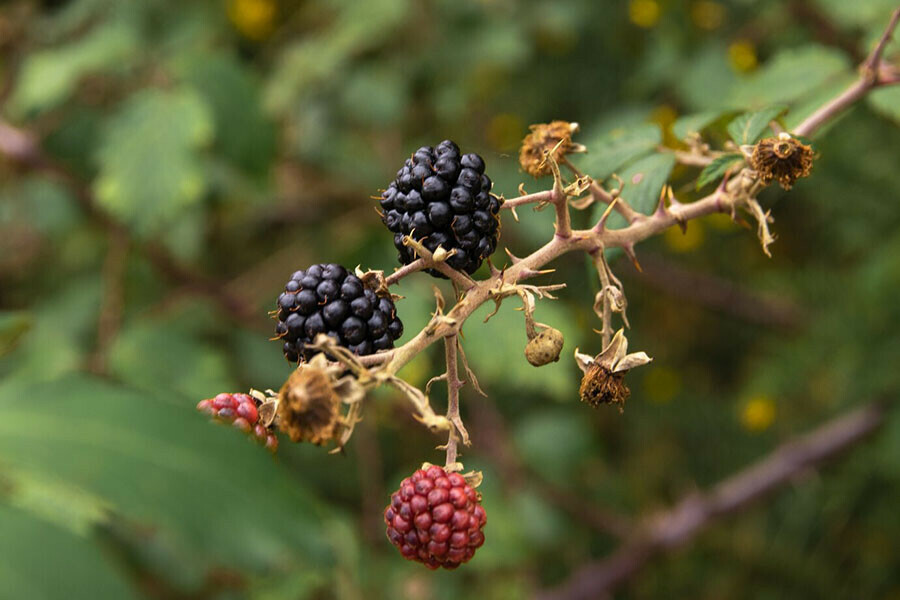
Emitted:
pixel 326 298
pixel 436 518
pixel 442 198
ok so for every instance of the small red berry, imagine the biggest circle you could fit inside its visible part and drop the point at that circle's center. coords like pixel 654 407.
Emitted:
pixel 436 518
pixel 242 412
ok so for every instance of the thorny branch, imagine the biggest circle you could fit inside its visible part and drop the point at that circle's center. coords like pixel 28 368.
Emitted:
pixel 736 192
pixel 677 526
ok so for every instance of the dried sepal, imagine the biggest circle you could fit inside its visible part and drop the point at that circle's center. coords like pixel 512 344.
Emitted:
pixel 784 159
pixel 763 218
pixel 376 281
pixel 308 407
pixel 604 374
pixel 547 140
pixel 615 356
pixel 469 372
pixel 424 413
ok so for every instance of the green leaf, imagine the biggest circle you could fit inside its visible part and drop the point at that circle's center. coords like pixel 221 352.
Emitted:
pixel 886 102
pixel 618 147
pixel 243 132
pixel 497 348
pixel 553 441
pixel 790 75
pixel 695 123
pixel 644 181
pixel 707 70
pixel 182 363
pixel 63 324
pixel 717 168
pixel 154 461
pixel 41 560
pixel 149 165
pixel 749 127
pixel 50 76
pixel 13 325
pixel 643 184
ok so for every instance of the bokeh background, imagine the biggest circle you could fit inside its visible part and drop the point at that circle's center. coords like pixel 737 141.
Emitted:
pixel 189 156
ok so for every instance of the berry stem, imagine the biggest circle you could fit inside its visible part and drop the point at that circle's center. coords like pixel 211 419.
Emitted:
pixel 413 267
pixel 535 198
pixel 458 431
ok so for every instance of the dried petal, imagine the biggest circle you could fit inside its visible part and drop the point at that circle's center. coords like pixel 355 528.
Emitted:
pixel 783 159
pixel 554 137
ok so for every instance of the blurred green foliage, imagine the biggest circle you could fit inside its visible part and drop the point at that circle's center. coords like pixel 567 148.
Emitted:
pixel 245 137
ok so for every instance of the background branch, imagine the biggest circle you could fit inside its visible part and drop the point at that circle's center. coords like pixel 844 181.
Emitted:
pixel 694 513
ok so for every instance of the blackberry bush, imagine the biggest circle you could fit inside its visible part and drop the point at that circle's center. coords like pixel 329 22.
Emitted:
pixel 442 198
pixel 327 298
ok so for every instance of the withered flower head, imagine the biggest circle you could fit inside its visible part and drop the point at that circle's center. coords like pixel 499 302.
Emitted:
pixel 604 375
pixel 554 137
pixel 308 406
pixel 783 158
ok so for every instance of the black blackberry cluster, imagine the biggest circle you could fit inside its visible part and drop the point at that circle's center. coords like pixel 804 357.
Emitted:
pixel 443 199
pixel 326 298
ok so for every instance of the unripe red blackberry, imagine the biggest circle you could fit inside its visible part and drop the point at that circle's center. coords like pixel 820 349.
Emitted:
pixel 241 411
pixel 436 518
pixel 442 198
pixel 326 298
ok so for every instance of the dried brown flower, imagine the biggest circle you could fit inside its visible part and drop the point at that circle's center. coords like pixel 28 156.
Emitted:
pixel 783 158
pixel 308 406
pixel 601 386
pixel 604 374
pixel 554 137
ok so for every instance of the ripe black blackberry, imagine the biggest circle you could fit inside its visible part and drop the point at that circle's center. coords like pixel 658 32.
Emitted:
pixel 443 199
pixel 326 298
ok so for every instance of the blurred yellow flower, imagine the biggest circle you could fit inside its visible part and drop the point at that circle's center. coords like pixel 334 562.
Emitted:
pixel 644 13
pixel 707 14
pixel 254 19
pixel 742 56
pixel 661 384
pixel 687 241
pixel 664 115
pixel 720 221
pixel 758 414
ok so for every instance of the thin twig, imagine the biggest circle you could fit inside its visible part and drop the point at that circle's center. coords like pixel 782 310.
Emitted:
pixel 413 267
pixel 695 512
pixel 601 195
pixel 870 77
pixel 536 198
pixel 563 218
